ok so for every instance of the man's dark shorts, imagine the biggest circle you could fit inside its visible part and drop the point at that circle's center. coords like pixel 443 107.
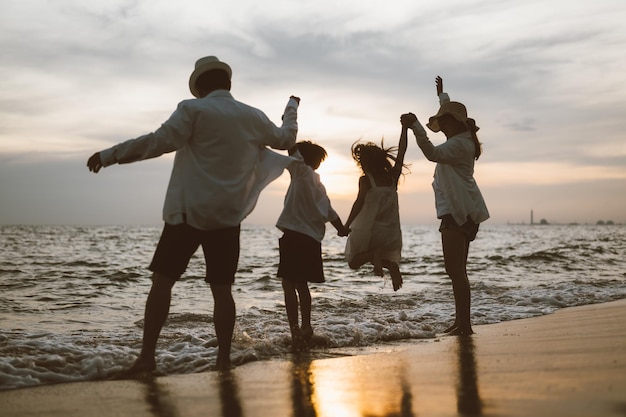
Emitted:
pixel 179 242
pixel 469 228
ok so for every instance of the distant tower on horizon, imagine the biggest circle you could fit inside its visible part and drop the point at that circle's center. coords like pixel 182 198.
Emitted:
pixel 531 217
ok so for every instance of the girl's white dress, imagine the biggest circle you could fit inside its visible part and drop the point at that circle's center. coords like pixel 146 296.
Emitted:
pixel 376 229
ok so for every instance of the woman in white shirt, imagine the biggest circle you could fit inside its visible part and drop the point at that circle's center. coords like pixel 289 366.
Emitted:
pixel 458 200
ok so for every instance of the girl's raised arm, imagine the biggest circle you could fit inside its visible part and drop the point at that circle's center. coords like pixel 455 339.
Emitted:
pixel 402 145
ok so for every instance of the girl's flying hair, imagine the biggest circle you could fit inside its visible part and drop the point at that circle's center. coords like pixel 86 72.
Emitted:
pixel 374 159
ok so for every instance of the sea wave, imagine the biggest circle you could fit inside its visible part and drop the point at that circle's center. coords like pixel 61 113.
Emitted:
pixel 73 312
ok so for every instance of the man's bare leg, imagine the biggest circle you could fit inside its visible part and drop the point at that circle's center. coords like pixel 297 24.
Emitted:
pixel 224 321
pixel 156 312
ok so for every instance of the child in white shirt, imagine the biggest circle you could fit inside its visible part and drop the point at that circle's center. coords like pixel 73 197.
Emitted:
pixel 303 220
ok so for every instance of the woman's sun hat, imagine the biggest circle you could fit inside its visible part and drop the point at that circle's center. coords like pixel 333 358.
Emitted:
pixel 203 65
pixel 453 108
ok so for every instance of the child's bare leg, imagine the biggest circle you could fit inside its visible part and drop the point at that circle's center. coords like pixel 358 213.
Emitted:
pixel 291 303
pixel 305 309
pixel 394 270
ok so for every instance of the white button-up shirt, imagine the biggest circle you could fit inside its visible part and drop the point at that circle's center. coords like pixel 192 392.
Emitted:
pixel 219 168
pixel 307 206
pixel 456 191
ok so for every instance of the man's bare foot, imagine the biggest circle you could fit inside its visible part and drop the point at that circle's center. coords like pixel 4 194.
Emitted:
pixel 223 363
pixel 460 331
pixel 453 327
pixel 141 367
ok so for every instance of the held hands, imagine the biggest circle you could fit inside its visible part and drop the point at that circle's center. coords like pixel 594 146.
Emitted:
pixel 407 120
pixel 343 231
pixel 439 84
pixel 296 98
pixel 95 163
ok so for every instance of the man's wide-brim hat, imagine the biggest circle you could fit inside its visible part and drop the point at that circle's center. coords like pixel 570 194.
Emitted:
pixel 203 65
pixel 453 108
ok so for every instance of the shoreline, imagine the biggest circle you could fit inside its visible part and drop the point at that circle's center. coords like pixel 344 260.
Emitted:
pixel 568 363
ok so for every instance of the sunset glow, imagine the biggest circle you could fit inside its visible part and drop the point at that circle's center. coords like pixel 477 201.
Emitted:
pixel 544 81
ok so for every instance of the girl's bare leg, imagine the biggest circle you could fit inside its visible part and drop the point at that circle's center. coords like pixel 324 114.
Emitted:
pixel 396 275
pixel 361 259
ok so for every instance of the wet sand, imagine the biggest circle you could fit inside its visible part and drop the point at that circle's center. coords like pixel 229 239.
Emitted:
pixel 571 363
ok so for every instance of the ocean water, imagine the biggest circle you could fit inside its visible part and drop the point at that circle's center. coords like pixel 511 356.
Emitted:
pixel 72 297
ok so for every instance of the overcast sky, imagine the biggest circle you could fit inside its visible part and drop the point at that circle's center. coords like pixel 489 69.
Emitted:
pixel 545 80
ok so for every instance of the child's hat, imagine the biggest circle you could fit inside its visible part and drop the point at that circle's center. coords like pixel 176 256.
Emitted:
pixel 203 65
pixel 453 108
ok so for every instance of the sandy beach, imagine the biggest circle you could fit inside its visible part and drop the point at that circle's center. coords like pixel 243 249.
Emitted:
pixel 570 363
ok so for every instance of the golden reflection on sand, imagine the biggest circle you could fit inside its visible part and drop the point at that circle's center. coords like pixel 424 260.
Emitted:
pixel 350 389
pixel 368 386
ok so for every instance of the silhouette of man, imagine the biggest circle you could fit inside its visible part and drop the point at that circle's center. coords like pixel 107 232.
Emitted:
pixel 216 179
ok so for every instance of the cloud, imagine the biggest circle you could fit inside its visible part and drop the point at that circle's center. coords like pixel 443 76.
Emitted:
pixel 544 80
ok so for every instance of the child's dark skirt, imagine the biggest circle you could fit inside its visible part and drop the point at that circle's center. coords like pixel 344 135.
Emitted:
pixel 300 258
